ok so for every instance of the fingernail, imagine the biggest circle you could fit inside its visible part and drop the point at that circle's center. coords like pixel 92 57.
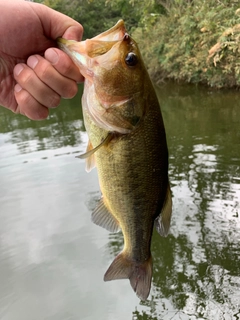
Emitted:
pixel 18 69
pixel 32 62
pixel 74 33
pixel 52 56
pixel 17 88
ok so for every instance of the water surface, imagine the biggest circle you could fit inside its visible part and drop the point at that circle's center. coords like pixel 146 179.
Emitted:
pixel 52 258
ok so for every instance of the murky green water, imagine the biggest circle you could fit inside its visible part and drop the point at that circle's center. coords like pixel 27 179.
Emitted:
pixel 52 258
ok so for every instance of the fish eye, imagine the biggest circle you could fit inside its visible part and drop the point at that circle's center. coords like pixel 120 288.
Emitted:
pixel 131 59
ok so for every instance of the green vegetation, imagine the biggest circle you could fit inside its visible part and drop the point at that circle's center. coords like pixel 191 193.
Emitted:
pixel 96 16
pixel 196 41
pixel 186 40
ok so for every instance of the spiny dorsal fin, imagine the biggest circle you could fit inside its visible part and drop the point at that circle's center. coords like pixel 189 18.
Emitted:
pixel 103 217
pixel 162 222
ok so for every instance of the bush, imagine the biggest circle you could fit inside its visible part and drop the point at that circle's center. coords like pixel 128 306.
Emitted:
pixel 196 41
pixel 185 40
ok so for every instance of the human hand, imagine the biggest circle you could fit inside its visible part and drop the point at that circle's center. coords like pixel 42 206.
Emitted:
pixel 34 75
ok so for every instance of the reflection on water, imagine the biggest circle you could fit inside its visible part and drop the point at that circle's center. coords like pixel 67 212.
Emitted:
pixel 52 258
pixel 61 129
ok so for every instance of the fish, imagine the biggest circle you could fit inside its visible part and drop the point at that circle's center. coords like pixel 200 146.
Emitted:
pixel 128 146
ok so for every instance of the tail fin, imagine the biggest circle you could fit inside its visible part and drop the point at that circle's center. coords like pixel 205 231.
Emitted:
pixel 139 274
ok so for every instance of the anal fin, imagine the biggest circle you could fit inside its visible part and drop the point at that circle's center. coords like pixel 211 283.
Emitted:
pixel 162 222
pixel 101 216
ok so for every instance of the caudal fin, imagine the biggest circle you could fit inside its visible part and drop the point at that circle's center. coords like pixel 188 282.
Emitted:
pixel 139 274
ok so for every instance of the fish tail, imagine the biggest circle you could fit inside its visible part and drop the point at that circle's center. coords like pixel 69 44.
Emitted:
pixel 139 273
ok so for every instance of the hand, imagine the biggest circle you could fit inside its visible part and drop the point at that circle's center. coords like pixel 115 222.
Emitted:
pixel 34 75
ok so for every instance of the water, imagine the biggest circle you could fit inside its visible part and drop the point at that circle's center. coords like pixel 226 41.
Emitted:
pixel 52 258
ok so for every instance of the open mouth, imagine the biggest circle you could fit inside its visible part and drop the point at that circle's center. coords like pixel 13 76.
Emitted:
pixel 80 52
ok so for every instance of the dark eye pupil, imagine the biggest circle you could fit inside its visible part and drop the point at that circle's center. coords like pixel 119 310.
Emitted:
pixel 131 59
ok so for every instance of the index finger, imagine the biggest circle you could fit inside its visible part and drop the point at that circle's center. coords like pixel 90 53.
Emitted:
pixel 63 64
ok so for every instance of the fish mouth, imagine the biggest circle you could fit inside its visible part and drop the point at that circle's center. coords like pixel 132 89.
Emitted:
pixel 84 52
pixel 117 32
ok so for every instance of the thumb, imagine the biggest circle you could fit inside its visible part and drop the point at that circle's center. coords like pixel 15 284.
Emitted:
pixel 56 24
pixel 73 33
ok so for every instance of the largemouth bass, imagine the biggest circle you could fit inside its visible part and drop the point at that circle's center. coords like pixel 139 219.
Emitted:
pixel 127 144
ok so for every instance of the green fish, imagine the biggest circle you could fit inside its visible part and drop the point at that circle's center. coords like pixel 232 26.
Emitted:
pixel 127 144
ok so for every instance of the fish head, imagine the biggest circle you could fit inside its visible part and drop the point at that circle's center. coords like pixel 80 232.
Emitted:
pixel 111 60
pixel 112 66
pixel 84 52
pixel 119 71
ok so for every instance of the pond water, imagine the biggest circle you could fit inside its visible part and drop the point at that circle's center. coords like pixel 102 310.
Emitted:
pixel 53 258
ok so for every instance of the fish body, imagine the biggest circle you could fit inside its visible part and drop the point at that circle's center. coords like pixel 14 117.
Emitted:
pixel 127 144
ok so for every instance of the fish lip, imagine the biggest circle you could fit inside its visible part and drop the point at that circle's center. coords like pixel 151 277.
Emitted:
pixel 115 33
pixel 84 52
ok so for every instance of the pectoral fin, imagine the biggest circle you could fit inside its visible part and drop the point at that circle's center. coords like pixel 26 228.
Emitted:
pixel 162 222
pixel 89 154
pixel 91 150
pixel 102 217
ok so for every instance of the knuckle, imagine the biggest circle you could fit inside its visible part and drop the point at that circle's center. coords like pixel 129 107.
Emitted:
pixel 70 90
pixel 25 77
pixel 44 71
pixel 54 101
pixel 29 107
pixel 66 66
pixel 23 98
